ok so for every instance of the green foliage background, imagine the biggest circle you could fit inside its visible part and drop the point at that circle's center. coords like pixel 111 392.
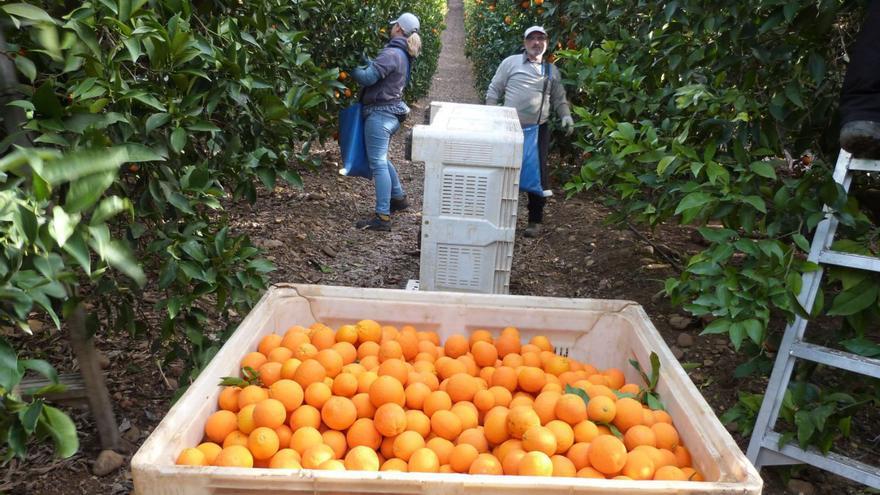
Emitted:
pixel 720 117
pixel 146 117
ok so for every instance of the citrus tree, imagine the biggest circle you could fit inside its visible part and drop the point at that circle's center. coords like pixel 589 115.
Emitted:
pixel 144 119
pixel 721 119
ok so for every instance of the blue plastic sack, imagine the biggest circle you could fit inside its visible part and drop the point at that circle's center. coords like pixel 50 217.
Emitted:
pixel 530 173
pixel 352 143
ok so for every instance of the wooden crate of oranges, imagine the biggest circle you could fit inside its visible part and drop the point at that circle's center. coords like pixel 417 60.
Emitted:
pixel 387 391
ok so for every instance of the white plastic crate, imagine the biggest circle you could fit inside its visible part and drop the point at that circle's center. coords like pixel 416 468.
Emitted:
pixel 604 333
pixel 472 156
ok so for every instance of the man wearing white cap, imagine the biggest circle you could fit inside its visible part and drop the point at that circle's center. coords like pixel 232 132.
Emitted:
pixel 520 80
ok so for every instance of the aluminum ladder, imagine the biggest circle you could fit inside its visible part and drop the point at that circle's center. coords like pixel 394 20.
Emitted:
pixel 764 448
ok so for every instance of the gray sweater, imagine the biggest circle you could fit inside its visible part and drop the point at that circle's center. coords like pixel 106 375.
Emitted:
pixel 518 81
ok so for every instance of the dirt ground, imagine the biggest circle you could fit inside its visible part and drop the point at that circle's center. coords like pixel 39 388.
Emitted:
pixel 309 234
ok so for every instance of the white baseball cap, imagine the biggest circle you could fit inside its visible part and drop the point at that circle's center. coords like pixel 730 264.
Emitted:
pixel 408 23
pixel 534 29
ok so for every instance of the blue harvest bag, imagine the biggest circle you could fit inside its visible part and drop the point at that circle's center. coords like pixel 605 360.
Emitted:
pixel 352 143
pixel 530 172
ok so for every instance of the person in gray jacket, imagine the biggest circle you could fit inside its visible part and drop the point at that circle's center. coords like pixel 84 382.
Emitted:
pixel 519 79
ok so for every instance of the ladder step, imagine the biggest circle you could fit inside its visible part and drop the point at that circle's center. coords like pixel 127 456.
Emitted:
pixel 864 165
pixel 838 359
pixel 835 463
pixel 850 260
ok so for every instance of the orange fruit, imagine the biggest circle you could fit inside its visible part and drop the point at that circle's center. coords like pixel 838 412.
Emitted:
pixel 365 408
pixel 331 361
pixel 437 401
pixel 396 368
pixel 235 438
pixel 418 421
pixel 270 372
pixel 416 394
pixel 441 447
pixel 390 419
pixel 210 450
pixel 667 436
pixel 363 432
pixel 462 387
pixel 387 389
pixel 284 433
pixel 495 425
pixel 630 388
pixel 522 399
pixel 317 394
pixel 562 466
pixel 484 400
pixel 506 377
pixel 578 454
pixel 556 365
pixel 467 413
pixel 347 351
pixel 629 412
pixel 336 441
pixel 535 464
pixel 507 344
pixel 542 342
pixel 671 473
pixel 539 438
pixel 593 390
pixel 601 409
pixel 564 435
pixel 615 378
pixel 571 409
pixel 661 416
pixel 445 424
pixel 406 443
pixel 316 455
pixel 588 472
pixel 309 372
pixel 263 443
pixel 639 435
pixel 339 413
pixel 288 368
pixel 531 379
pixel 545 405
pixel 480 335
pixel 485 354
pixel 279 355
pixel 510 461
pixel 462 456
pixel 368 331
pixel 502 396
pixel 268 343
pixel 639 466
pixel 361 458
pixel 607 454
pixel 235 456
pixel 322 338
pixel 285 459
pixel 251 394
pixel 475 437
pixel 390 349
pixel 506 447
pixel 253 360
pixel 486 464
pixel 192 457
pixel 305 415
pixel 585 431
pixel 305 351
pixel 269 413
pixel 220 424
pixel 394 465
pixel 332 465
pixel 520 419
pixel 345 385
pixel 288 392
pixel 456 345
pixel 692 474
pixel 347 333
pixel 423 460
pixel 228 398
pixel 682 456
pixel 305 438
pixel 366 349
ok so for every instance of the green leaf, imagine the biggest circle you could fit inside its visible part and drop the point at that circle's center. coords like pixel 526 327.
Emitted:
pixel 764 169
pixel 108 208
pixel 77 164
pixel 30 415
pixel 737 333
pixel 665 162
pixel 77 249
pixel 754 329
pixel 133 45
pixel 115 253
pixel 805 427
pixel 654 402
pixel 862 347
pixel 579 392
pixel 26 67
pixel 149 100
pixel 756 201
pixel 716 235
pixel 718 326
pixel 10 372
pixel 62 430
pixel 178 140
pixel 693 200
pixel 156 120
pixel 817 68
pixel 86 191
pixel 27 11
pixel 850 302
pixel 140 153
pixel 42 367
pixel 62 225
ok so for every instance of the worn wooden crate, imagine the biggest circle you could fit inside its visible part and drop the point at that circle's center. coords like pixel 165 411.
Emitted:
pixel 604 333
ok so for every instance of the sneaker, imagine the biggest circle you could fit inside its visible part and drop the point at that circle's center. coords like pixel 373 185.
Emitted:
pixel 376 222
pixel 533 230
pixel 861 138
pixel 399 204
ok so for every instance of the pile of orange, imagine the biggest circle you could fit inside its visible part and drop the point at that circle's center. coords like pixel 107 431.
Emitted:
pixel 372 397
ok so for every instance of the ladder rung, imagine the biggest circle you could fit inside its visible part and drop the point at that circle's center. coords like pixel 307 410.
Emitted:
pixel 835 463
pixel 864 165
pixel 850 260
pixel 838 359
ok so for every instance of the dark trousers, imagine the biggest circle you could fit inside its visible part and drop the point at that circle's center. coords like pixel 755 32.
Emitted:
pixel 537 201
pixel 860 95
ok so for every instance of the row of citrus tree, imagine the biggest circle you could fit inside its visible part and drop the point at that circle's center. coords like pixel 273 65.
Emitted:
pixel 722 119
pixel 133 123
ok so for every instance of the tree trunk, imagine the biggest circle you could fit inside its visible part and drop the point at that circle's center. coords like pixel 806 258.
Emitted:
pixel 99 398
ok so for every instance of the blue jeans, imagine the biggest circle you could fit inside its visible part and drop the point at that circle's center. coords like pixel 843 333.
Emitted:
pixel 378 128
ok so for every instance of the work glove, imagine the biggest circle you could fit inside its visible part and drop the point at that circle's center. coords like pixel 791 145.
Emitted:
pixel 567 125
